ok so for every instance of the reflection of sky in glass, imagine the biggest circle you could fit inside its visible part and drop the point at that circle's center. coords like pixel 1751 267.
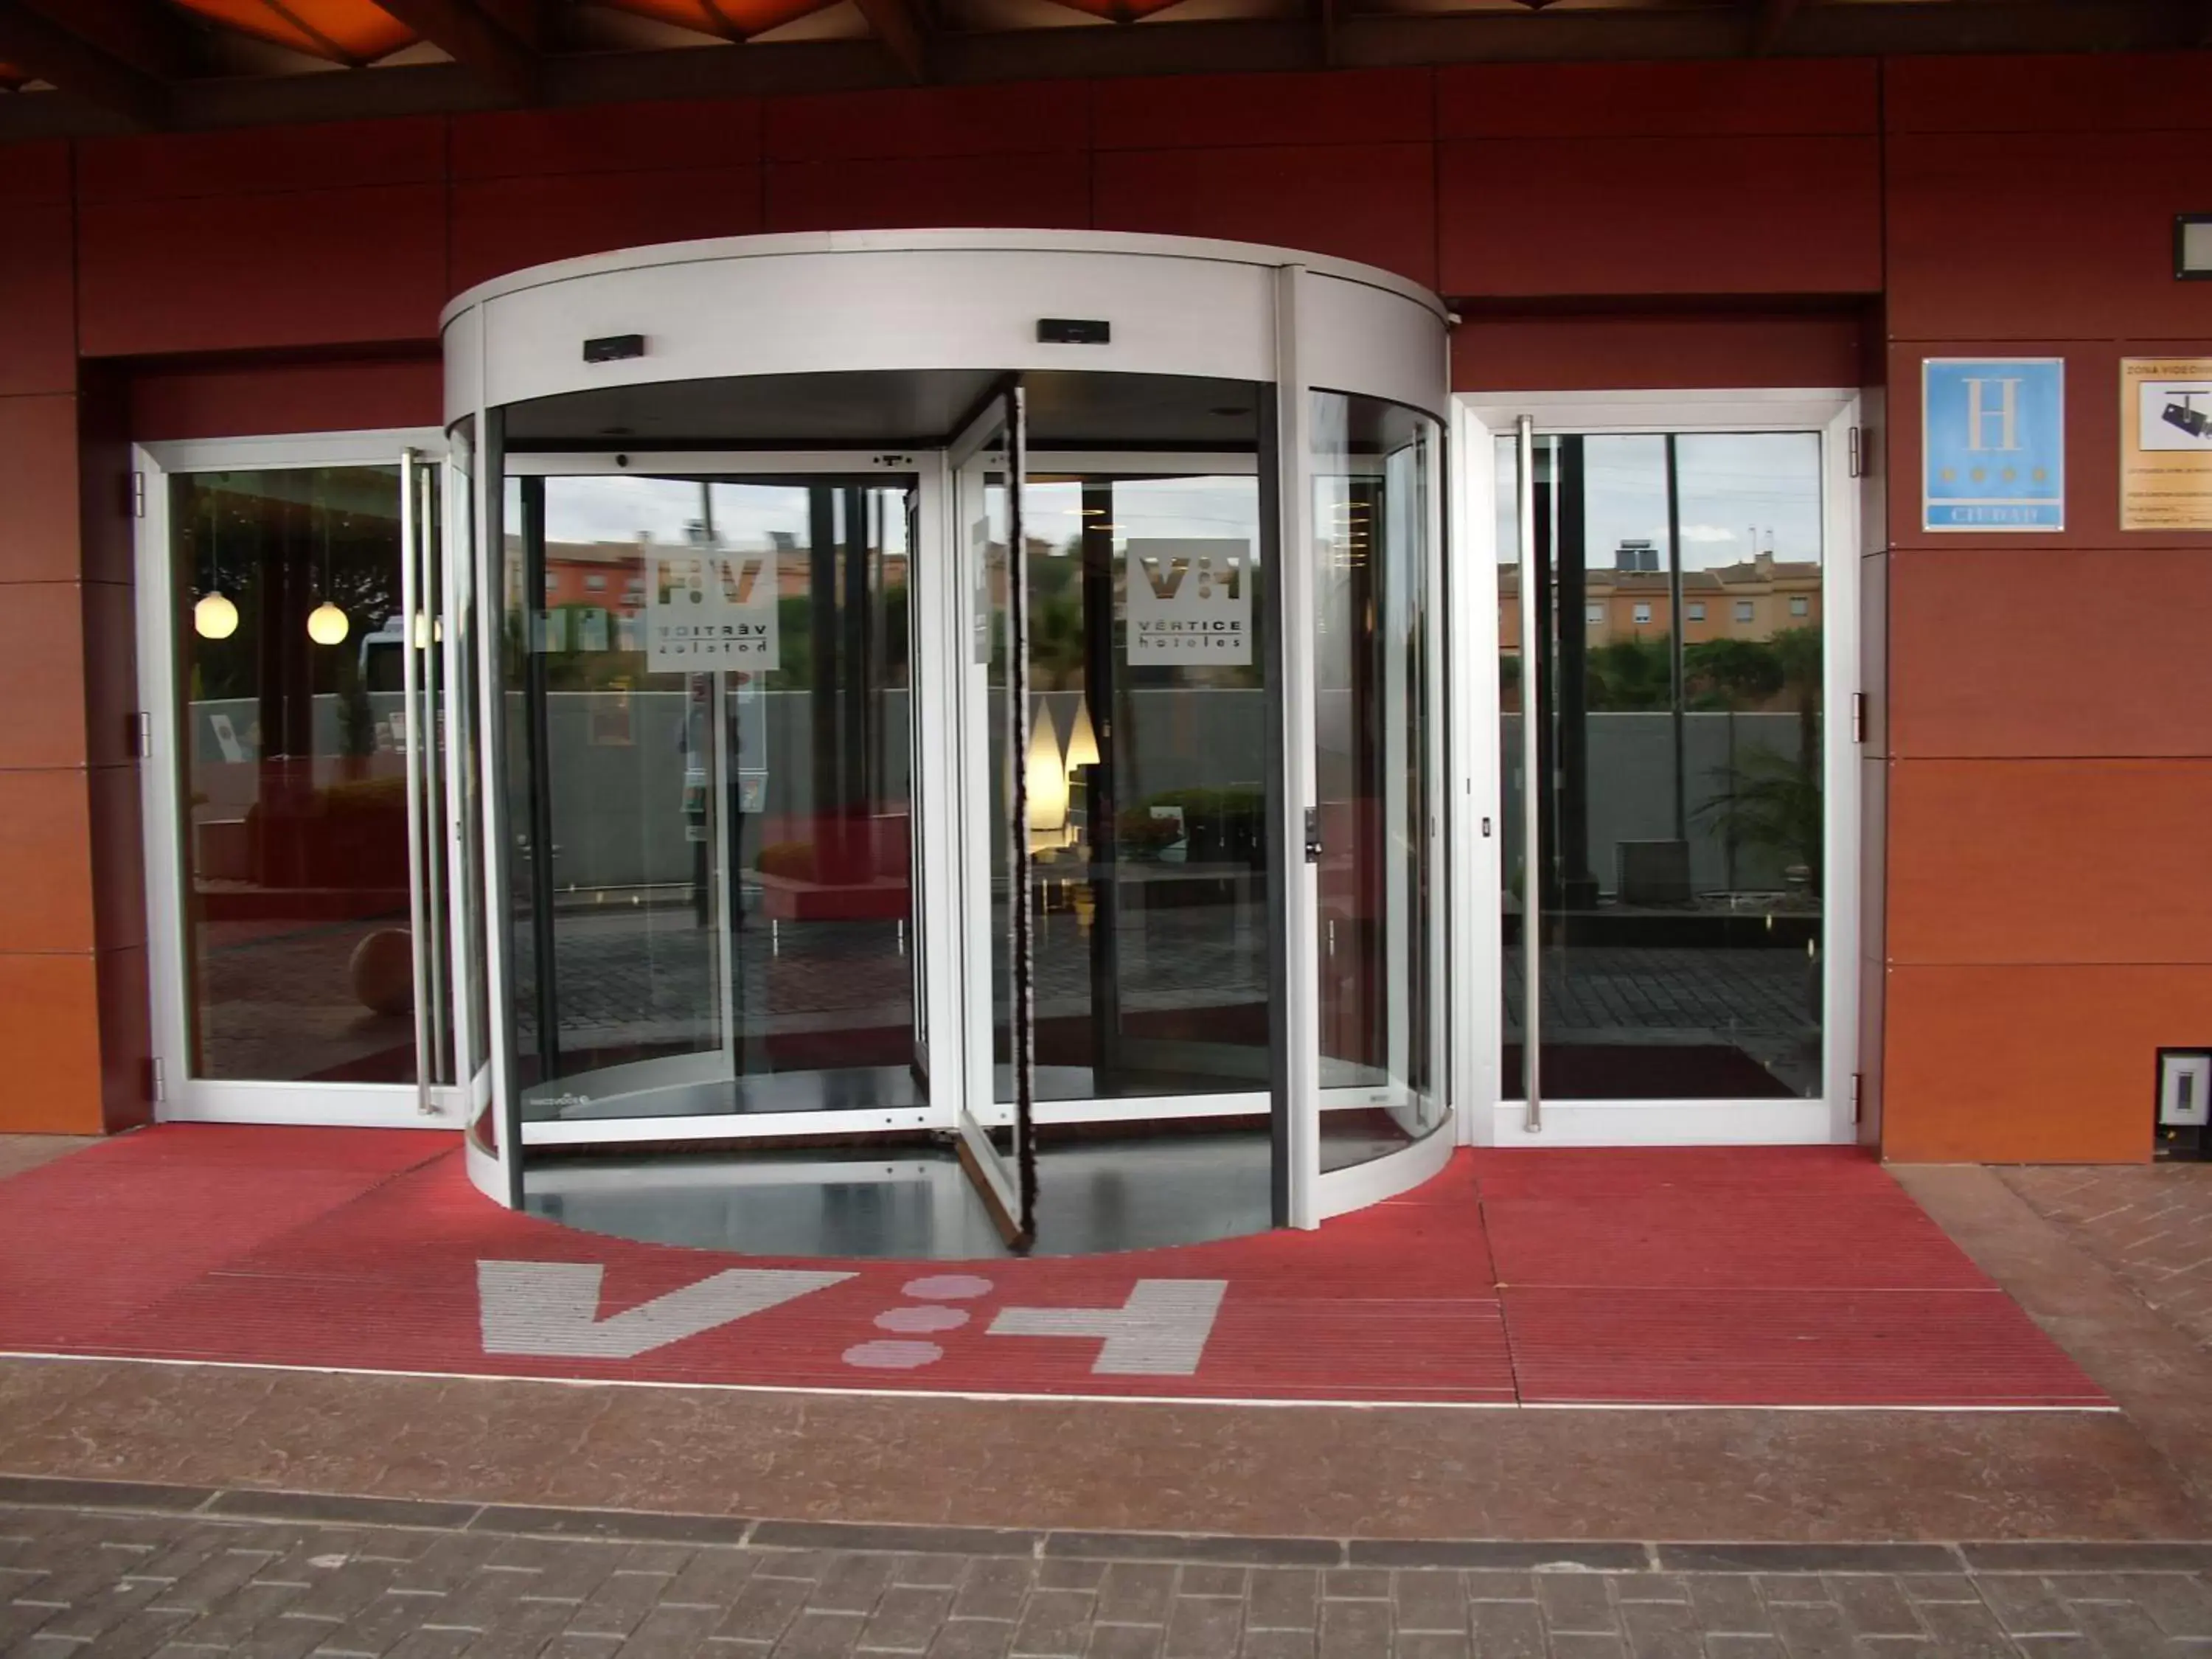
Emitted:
pixel 1148 508
pixel 1734 486
pixel 619 507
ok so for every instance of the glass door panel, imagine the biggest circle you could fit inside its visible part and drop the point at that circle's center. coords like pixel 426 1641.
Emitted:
pixel 995 1123
pixel 1678 878
pixel 1377 761
pixel 719 725
pixel 298 953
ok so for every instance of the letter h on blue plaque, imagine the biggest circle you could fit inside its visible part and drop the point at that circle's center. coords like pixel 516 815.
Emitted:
pixel 1993 443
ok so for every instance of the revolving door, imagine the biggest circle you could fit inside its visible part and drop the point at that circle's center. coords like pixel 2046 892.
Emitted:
pixel 913 761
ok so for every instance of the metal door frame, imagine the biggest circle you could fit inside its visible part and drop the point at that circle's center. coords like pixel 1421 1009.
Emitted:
pixel 178 1095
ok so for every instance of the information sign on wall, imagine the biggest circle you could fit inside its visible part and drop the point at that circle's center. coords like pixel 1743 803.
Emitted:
pixel 712 608
pixel 1993 443
pixel 1190 600
pixel 2166 443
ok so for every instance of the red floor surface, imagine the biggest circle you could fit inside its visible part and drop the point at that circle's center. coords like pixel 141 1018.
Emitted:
pixel 1800 1276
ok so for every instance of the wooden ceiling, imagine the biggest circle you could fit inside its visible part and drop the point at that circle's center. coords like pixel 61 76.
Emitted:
pixel 85 66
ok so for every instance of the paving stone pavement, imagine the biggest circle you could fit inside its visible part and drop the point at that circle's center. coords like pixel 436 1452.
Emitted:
pixel 2150 1224
pixel 207 1575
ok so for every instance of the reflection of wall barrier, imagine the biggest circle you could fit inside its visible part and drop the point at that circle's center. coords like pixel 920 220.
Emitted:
pixel 1631 792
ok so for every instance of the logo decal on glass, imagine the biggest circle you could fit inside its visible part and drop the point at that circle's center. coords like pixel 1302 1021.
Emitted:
pixel 712 610
pixel 1190 600
pixel 1994 442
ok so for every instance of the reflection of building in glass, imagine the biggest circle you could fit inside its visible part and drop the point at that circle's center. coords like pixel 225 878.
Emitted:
pixel 1752 600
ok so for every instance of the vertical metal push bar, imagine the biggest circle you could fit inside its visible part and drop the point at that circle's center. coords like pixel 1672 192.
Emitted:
pixel 1017 740
pixel 412 533
pixel 1532 817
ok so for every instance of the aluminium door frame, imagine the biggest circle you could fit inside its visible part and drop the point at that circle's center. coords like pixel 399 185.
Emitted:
pixel 1492 1115
pixel 180 1097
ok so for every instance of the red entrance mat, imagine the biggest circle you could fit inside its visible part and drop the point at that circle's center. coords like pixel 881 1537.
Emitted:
pixel 1724 1277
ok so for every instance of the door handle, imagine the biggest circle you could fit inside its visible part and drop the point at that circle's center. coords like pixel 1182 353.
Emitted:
pixel 1313 835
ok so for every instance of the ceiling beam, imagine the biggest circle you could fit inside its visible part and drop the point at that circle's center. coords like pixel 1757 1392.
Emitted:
pixel 148 37
pixel 1767 27
pixel 466 32
pixel 899 26
pixel 44 49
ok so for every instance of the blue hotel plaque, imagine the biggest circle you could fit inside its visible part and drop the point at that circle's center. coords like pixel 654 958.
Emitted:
pixel 1994 443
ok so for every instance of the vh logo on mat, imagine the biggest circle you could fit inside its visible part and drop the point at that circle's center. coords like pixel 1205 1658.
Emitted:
pixel 1190 600
pixel 550 1310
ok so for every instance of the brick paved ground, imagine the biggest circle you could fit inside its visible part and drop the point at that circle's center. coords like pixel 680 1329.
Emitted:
pixel 113 1583
pixel 2149 1223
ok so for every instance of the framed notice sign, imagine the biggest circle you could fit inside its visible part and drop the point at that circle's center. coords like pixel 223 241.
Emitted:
pixel 2166 443
pixel 1993 441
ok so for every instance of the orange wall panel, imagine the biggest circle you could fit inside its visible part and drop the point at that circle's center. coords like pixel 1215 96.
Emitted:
pixel 42 677
pixel 1585 100
pixel 233 273
pixel 1048 189
pixel 501 225
pixel 2050 861
pixel 1374 202
pixel 2042 235
pixel 49 1029
pixel 45 826
pixel 1661 216
pixel 2032 1065
pixel 2050 652
pixel 39 504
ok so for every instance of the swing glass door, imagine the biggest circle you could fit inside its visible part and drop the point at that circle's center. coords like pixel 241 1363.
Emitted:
pixel 715 756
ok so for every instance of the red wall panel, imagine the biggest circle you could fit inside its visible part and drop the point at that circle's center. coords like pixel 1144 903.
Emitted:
pixel 993 120
pixel 38 300
pixel 36 173
pixel 239 400
pixel 1049 191
pixel 1343 106
pixel 312 268
pixel 1525 352
pixel 2107 91
pixel 607 138
pixel 237 160
pixel 2043 236
pixel 1370 202
pixel 1588 101
pixel 504 224
pixel 1783 215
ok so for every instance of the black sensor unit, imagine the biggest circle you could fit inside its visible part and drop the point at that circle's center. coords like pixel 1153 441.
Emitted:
pixel 1074 331
pixel 613 347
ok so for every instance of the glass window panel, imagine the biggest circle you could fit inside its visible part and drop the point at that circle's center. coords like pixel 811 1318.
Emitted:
pixel 295 855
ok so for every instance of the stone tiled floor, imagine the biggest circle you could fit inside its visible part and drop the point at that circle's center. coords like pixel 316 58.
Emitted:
pixel 2149 1223
pixel 476 1584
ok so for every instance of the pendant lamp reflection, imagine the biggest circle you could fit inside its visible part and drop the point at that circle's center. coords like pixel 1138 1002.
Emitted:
pixel 327 624
pixel 1048 782
pixel 1083 741
pixel 214 617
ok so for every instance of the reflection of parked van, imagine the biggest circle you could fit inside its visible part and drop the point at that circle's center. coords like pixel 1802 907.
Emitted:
pixel 382 667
